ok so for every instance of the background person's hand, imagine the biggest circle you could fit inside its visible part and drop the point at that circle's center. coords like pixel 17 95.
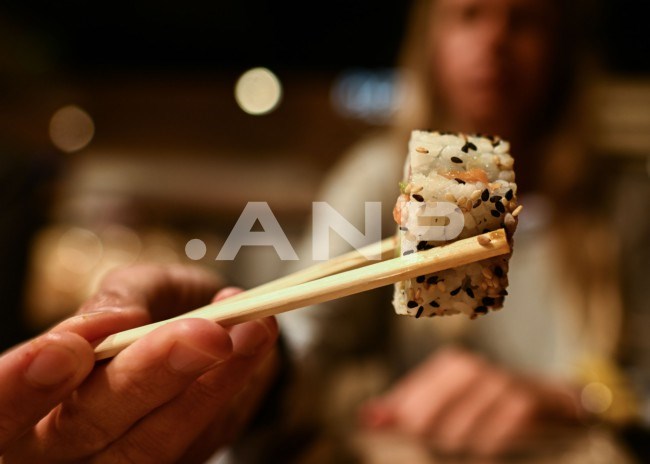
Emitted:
pixel 179 393
pixel 460 403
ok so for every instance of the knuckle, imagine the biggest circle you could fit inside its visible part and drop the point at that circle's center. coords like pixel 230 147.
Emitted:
pixel 523 408
pixel 71 426
pixel 141 389
pixel 210 390
pixel 214 388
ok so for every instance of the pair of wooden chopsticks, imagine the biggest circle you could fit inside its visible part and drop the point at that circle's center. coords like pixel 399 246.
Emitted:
pixel 342 276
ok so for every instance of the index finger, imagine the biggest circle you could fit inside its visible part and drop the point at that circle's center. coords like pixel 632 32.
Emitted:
pixel 163 290
pixel 137 295
pixel 36 376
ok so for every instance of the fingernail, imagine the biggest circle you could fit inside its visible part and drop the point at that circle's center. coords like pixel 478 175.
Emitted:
pixel 249 337
pixel 52 366
pixel 226 293
pixel 185 359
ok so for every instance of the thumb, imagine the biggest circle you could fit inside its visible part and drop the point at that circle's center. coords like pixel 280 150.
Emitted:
pixel 226 292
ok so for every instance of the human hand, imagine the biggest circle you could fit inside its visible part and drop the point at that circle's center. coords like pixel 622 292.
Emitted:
pixel 178 393
pixel 459 402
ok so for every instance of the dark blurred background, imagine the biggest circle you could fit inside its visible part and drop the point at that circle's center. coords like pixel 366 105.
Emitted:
pixel 181 37
pixel 121 138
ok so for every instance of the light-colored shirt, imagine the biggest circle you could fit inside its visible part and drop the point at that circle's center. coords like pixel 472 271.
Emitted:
pixel 534 332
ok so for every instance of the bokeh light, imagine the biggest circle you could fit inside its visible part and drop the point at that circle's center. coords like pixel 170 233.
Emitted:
pixel 369 95
pixel 71 128
pixel 258 91
pixel 596 397
pixel 79 250
pixel 195 249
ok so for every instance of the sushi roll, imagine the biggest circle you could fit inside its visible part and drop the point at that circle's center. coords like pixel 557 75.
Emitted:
pixel 462 185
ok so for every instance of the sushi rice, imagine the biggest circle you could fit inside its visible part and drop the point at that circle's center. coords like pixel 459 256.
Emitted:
pixel 470 179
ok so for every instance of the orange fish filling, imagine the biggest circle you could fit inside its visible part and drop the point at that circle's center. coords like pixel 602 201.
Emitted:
pixel 473 175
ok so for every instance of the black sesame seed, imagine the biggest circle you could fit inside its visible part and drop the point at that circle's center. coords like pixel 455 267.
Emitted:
pixel 488 301
pixel 428 246
pixel 403 229
pixel 495 213
pixel 481 310
pixel 455 291
pixel 412 304
pixel 468 146
pixel 485 195
pixel 509 195
pixel 494 198
pixel 498 271
pixel 418 197
pixel 469 292
pixel 499 206
pixel 419 313
pixel 432 280
pixel 460 181
pixel 456 159
pixel 421 245
pixel 434 303
pixel 419 279
pixel 407 252
pixel 477 203
pixel 496 143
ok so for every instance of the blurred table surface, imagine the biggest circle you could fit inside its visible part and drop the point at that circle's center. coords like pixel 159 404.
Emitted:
pixel 586 446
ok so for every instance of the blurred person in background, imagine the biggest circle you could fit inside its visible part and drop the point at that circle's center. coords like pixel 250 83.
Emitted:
pixel 512 68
